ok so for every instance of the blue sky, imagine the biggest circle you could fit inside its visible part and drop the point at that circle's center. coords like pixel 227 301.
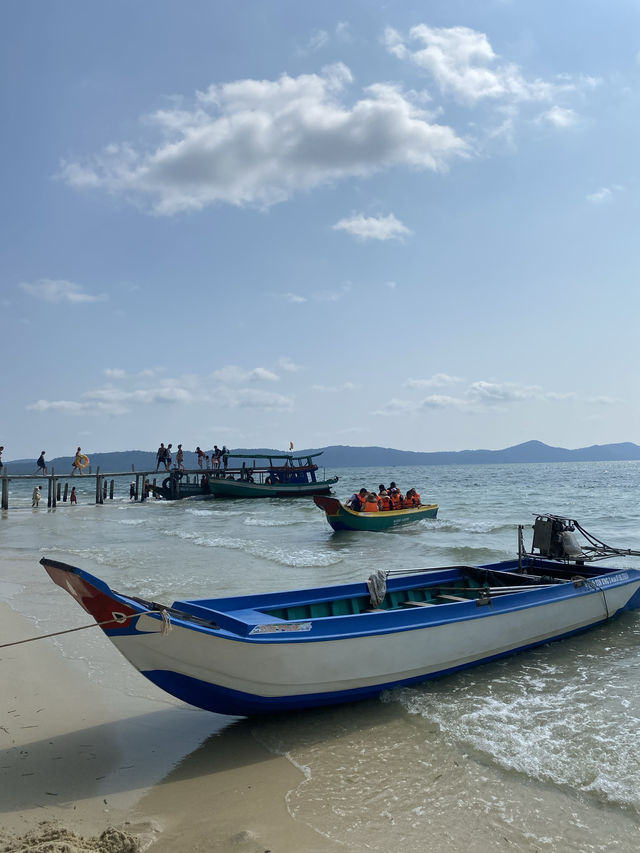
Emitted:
pixel 398 223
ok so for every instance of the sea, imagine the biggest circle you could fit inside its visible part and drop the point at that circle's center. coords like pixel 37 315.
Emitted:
pixel 536 752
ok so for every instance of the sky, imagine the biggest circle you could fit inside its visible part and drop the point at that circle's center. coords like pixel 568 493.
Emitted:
pixel 252 223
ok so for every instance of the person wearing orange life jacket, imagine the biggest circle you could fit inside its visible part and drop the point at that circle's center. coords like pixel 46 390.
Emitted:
pixel 370 503
pixel 411 499
pixel 384 501
pixel 395 495
pixel 356 501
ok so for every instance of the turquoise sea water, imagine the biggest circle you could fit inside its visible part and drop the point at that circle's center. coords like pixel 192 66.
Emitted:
pixel 536 752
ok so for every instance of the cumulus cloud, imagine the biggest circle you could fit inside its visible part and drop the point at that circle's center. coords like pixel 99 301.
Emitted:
pixel 257 142
pixel 335 389
pixel 59 290
pixel 146 388
pixel 463 65
pixel 560 117
pixel 285 363
pixel 373 227
pixel 233 374
pixel 438 380
pixel 476 397
pixel 604 194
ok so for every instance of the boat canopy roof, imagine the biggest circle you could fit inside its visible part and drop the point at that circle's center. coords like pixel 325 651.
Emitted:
pixel 290 456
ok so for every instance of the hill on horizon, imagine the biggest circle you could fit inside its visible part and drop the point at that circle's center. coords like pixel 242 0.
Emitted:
pixel 345 456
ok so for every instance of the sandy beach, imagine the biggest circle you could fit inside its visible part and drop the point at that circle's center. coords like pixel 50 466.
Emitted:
pixel 78 760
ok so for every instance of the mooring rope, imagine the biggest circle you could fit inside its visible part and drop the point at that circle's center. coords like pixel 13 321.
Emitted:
pixel 119 618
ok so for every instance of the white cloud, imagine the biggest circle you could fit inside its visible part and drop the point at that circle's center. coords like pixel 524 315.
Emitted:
pixel 604 194
pixel 259 141
pixel 295 298
pixel 285 363
pixel 464 65
pixel 560 117
pixel 335 389
pixel 115 372
pixel 233 374
pixel 495 392
pixel 438 380
pixel 373 227
pixel 250 398
pixel 59 290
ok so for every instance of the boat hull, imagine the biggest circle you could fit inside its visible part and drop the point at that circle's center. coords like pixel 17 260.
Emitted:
pixel 236 656
pixel 341 517
pixel 221 488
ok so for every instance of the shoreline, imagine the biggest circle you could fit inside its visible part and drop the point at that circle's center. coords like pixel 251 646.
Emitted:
pixel 84 758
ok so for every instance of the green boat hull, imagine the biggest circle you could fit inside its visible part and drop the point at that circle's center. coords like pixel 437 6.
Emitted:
pixel 221 488
pixel 340 517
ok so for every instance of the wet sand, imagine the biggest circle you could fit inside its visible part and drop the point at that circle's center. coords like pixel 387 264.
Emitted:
pixel 83 758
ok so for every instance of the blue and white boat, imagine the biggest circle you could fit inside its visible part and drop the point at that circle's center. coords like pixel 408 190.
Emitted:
pixel 280 651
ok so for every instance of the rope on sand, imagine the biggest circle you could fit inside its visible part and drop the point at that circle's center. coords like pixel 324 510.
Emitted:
pixel 119 618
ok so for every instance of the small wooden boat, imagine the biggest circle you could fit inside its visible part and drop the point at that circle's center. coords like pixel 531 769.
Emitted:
pixel 279 651
pixel 269 476
pixel 342 517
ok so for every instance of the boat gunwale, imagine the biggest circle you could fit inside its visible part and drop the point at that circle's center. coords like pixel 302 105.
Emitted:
pixel 233 624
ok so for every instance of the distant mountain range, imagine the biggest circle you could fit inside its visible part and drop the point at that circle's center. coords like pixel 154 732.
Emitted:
pixel 341 456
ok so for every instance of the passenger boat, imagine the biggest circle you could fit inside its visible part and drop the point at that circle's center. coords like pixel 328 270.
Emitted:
pixel 342 517
pixel 280 651
pixel 182 484
pixel 269 476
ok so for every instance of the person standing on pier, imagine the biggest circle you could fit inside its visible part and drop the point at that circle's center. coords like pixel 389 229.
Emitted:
pixel 180 458
pixel 1 449
pixel 42 465
pixel 160 455
pixel 167 457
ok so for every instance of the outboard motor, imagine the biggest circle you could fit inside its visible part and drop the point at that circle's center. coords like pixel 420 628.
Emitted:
pixel 555 539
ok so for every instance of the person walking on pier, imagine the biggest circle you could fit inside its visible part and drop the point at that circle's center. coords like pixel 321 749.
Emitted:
pixel 180 458
pixel 77 462
pixel 35 497
pixel 42 465
pixel 167 457
pixel 160 455
pixel 1 449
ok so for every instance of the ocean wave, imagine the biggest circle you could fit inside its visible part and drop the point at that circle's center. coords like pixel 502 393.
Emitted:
pixel 300 558
pixel 271 522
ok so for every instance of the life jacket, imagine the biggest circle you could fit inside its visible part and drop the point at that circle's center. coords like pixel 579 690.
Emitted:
pixel 396 499
pixel 385 502
pixel 370 506
pixel 416 499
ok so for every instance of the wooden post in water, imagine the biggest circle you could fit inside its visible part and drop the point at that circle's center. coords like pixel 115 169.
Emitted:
pixel 66 492
pixel 49 490
pixel 137 492
pixel 58 490
pixel 104 491
pixel 4 501
pixel 54 502
pixel 98 486
pixel 111 490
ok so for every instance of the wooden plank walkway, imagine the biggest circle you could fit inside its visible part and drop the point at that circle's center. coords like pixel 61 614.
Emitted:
pixel 104 483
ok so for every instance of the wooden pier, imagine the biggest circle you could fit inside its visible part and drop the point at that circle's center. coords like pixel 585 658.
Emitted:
pixel 143 483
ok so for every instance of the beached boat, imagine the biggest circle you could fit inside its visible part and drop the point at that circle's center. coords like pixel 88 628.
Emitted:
pixel 342 517
pixel 279 651
pixel 269 476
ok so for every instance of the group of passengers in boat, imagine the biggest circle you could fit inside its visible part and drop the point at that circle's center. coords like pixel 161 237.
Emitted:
pixel 385 500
